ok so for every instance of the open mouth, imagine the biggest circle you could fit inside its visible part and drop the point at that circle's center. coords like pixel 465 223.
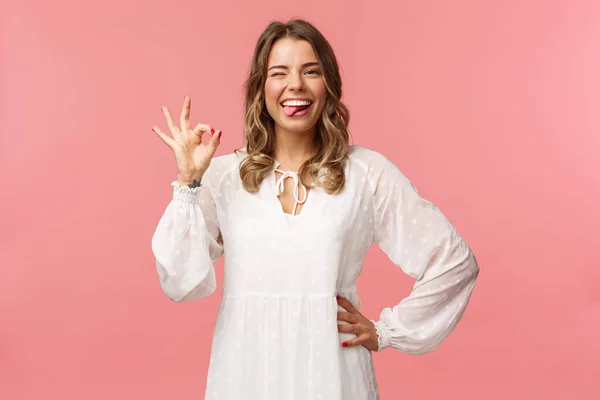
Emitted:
pixel 296 108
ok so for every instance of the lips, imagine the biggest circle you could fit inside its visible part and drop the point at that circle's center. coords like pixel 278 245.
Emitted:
pixel 296 107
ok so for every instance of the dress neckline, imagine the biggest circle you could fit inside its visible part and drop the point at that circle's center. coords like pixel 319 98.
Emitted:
pixel 298 187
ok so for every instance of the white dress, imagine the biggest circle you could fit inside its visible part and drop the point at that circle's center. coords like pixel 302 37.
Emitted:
pixel 276 332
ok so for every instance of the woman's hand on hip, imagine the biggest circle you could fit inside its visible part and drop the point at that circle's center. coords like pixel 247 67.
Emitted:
pixel 358 324
pixel 192 157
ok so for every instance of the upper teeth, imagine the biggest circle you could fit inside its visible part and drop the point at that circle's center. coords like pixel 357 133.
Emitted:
pixel 297 103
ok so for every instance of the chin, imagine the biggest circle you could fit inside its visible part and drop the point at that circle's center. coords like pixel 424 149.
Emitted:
pixel 298 126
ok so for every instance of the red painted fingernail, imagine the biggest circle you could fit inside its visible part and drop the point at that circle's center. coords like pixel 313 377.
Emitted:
pixel 212 131
pixel 344 344
pixel 220 133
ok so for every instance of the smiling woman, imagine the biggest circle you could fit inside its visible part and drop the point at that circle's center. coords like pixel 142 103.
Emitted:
pixel 280 75
pixel 294 213
pixel 294 62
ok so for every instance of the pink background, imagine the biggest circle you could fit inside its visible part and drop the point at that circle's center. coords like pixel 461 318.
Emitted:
pixel 490 107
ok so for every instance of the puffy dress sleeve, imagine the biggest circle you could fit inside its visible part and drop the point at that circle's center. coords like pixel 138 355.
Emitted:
pixel 186 243
pixel 418 238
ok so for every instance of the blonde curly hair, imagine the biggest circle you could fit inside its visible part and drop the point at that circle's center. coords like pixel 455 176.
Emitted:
pixel 332 137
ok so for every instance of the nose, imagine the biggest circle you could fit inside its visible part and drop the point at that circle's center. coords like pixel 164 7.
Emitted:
pixel 295 82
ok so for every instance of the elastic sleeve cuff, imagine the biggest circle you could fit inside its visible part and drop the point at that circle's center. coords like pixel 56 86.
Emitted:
pixel 185 193
pixel 383 335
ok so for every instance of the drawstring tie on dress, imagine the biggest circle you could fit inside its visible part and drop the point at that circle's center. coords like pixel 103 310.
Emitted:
pixel 280 187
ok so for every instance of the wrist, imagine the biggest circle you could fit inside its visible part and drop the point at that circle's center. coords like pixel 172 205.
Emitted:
pixel 183 192
pixel 191 183
pixel 383 335
pixel 188 179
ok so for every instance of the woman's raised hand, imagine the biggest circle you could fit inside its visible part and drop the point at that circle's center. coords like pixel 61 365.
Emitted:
pixel 192 157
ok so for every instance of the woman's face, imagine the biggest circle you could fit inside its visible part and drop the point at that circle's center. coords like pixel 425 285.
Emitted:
pixel 295 90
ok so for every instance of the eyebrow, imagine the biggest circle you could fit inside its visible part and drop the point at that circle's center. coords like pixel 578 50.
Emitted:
pixel 308 64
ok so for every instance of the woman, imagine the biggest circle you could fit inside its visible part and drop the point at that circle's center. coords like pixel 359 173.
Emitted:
pixel 294 214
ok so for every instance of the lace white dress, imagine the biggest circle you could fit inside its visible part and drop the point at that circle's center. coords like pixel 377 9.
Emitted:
pixel 276 332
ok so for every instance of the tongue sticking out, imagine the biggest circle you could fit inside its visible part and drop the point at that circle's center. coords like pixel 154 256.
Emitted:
pixel 291 110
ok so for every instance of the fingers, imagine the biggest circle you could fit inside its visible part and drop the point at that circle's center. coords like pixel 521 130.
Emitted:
pixel 185 114
pixel 357 324
pixel 179 134
pixel 213 143
pixel 347 305
pixel 356 341
pixel 172 127
pixel 349 328
pixel 347 317
pixel 165 138
pixel 200 129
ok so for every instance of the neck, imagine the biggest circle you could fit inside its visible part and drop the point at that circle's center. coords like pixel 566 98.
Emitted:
pixel 292 149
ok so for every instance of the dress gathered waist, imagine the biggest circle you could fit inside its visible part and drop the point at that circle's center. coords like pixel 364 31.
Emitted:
pixel 349 294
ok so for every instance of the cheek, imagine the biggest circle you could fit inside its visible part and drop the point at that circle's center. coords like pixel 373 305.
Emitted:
pixel 272 94
pixel 320 91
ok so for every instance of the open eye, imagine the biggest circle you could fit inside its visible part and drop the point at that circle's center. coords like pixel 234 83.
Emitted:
pixel 313 72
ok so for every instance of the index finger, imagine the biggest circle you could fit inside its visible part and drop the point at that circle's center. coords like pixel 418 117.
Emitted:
pixel 346 304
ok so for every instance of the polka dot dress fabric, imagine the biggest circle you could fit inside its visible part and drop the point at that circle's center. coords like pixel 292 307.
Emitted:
pixel 276 332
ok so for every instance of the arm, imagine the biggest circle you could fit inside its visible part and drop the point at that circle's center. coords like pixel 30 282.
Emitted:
pixel 423 243
pixel 186 244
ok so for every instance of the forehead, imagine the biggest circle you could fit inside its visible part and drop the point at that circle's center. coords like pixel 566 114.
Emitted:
pixel 291 52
